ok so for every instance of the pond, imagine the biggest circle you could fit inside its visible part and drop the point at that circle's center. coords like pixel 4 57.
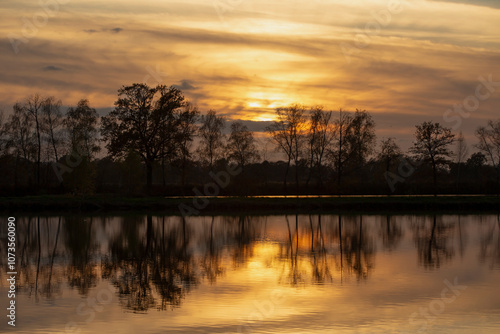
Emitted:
pixel 255 274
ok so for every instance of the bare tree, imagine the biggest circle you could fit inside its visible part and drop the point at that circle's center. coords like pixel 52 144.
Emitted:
pixel 241 147
pixel 489 143
pixel 288 134
pixel 432 146
pixel 212 138
pixel 389 152
pixel 33 106
pixel 361 138
pixel 20 137
pixel 3 131
pixel 187 130
pixel 318 139
pixel 52 121
pixel 81 127
pixel 340 152
pixel 81 124
pixel 460 155
pixel 20 133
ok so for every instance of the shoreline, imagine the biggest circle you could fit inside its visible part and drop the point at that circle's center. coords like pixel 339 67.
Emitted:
pixel 249 205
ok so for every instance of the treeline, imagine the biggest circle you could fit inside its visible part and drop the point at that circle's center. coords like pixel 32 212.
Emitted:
pixel 156 142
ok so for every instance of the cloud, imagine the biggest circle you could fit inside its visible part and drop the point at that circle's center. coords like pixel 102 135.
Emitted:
pixel 113 30
pixel 293 44
pixel 185 85
pixel 482 3
pixel 52 68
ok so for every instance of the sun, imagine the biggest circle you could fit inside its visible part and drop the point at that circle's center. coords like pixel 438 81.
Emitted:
pixel 263 118
pixel 254 105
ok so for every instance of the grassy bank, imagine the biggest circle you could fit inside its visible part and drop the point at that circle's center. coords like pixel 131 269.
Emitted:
pixel 238 205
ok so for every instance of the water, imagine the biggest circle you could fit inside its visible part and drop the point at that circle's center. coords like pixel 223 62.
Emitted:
pixel 264 274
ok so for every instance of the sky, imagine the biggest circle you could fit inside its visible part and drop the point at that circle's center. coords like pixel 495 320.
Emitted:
pixel 404 61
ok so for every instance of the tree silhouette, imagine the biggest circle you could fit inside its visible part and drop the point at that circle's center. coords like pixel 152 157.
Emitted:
pixel 187 130
pixel 3 130
pixel 432 146
pixel 460 155
pixel 489 143
pixel 288 134
pixel 318 138
pixel 339 152
pixel 33 106
pixel 145 120
pixel 389 152
pixel 212 140
pixel 20 137
pixel 81 125
pixel 241 146
pixel 52 121
pixel 361 138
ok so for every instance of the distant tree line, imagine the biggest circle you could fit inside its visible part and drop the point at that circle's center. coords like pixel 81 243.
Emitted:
pixel 157 142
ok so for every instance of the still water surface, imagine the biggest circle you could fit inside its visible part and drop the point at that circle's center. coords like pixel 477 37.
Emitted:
pixel 256 274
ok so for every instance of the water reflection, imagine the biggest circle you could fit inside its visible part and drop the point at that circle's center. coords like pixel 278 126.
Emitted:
pixel 490 243
pixel 154 262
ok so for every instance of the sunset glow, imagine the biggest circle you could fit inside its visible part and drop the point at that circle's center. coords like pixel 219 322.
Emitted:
pixel 245 58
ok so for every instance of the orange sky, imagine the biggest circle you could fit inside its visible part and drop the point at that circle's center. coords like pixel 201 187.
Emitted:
pixel 405 63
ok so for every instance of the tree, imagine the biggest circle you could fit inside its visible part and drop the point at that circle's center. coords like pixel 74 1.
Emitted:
pixel 212 139
pixel 460 155
pixel 241 147
pixel 288 134
pixel 145 120
pixel 3 131
pixel 81 125
pixel 131 168
pixel 389 152
pixel 489 143
pixel 476 161
pixel 360 138
pixel 33 106
pixel 318 139
pixel 339 152
pixel 431 146
pixel 187 131
pixel 52 121
pixel 20 137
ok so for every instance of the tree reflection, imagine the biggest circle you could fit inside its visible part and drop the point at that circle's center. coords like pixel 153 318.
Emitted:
pixel 489 250
pixel 432 241
pixel 212 260
pixel 81 245
pixel 38 245
pixel 291 249
pixel 49 288
pixel 242 233
pixel 319 256
pixel 154 262
pixel 354 254
pixel 357 247
pixel 390 232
